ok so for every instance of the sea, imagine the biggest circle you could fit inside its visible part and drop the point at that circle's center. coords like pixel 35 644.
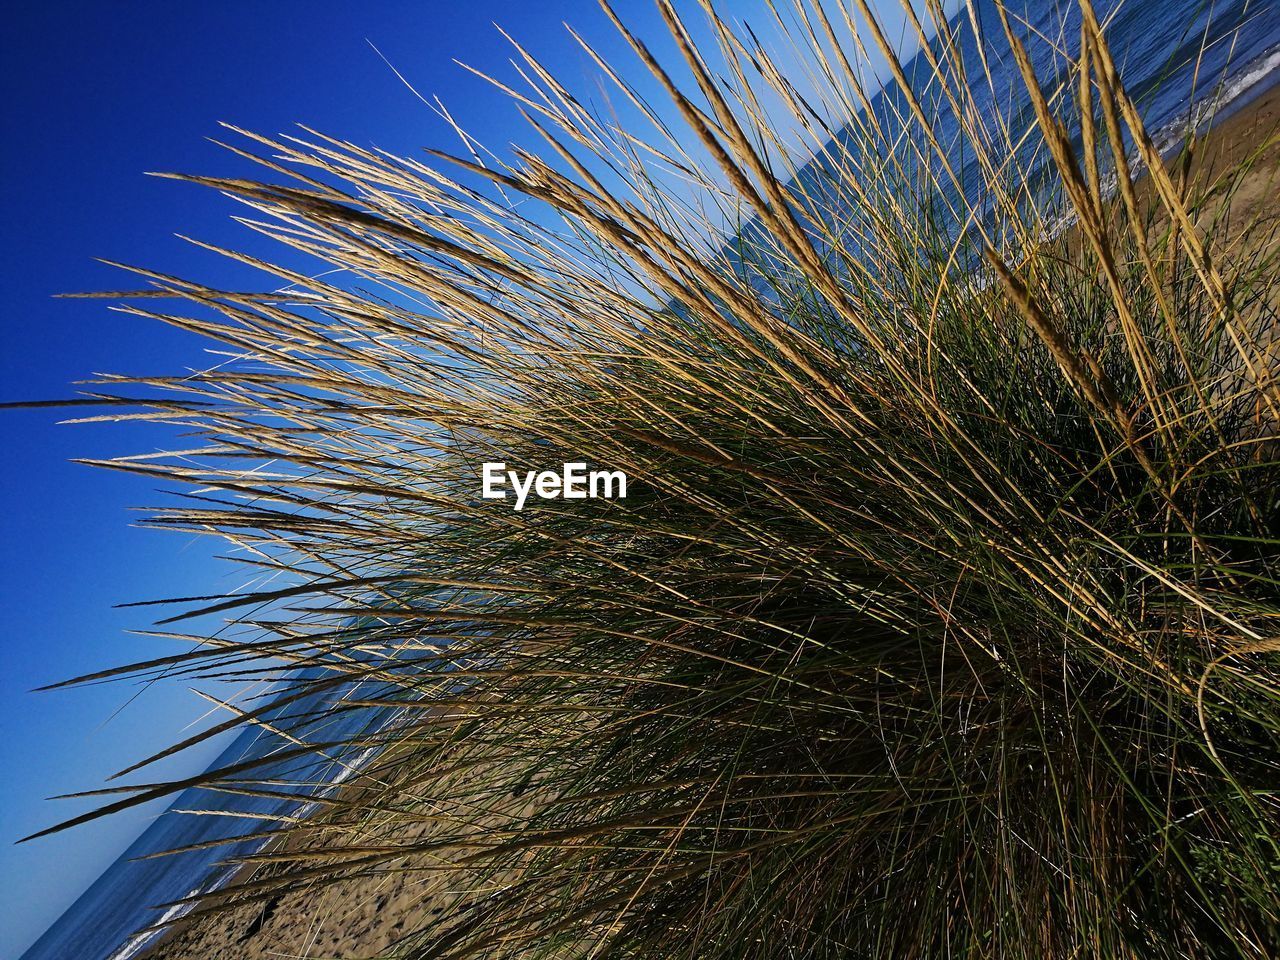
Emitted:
pixel 126 909
pixel 1185 62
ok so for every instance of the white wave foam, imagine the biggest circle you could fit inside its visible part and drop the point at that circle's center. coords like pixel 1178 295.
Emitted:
pixel 186 904
pixel 350 768
pixel 1261 69
pixel 177 910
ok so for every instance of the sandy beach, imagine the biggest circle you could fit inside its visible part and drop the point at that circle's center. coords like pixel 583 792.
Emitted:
pixel 365 916
pixel 1252 132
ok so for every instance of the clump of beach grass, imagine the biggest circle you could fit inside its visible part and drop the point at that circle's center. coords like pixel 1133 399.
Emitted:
pixel 940 618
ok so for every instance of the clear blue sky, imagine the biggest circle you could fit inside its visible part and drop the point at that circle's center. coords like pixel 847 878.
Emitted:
pixel 95 93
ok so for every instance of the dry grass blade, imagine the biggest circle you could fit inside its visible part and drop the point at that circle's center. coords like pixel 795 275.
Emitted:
pixel 937 619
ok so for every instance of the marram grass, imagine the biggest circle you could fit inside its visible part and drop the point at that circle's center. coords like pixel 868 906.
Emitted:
pixel 940 619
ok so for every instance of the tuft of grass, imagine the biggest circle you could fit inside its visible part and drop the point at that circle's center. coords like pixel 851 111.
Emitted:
pixel 940 619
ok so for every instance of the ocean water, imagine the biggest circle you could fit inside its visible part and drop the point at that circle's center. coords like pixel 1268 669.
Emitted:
pixel 1156 42
pixel 1186 63
pixel 118 916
